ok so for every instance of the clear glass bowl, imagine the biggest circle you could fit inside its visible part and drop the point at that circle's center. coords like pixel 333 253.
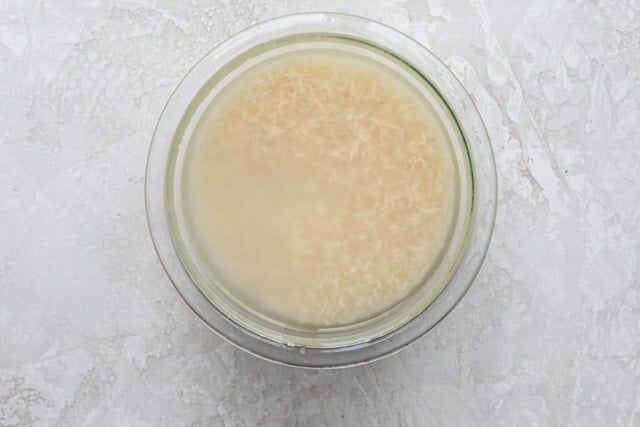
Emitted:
pixel 420 311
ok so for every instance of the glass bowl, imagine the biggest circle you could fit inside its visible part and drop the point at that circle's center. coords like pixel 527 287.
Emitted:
pixel 446 283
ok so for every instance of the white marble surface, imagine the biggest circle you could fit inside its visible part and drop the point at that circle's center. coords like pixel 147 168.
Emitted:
pixel 92 333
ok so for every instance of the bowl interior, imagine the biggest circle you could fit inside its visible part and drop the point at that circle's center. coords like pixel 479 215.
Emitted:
pixel 212 286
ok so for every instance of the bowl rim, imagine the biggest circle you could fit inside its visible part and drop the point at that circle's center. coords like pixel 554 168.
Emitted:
pixel 484 206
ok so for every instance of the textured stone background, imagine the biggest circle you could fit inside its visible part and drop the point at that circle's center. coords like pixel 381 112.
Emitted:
pixel 91 331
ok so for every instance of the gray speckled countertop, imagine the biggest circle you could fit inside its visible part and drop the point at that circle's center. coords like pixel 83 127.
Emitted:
pixel 91 331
